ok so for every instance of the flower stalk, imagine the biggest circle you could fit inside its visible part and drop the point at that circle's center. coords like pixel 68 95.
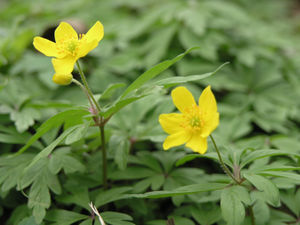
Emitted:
pixel 99 120
pixel 224 167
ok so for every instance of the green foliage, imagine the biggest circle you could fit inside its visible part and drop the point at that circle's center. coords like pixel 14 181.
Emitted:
pixel 51 154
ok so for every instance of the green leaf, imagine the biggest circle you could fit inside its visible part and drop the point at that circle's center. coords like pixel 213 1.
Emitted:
pixel 261 211
pixel 258 154
pixel 61 159
pixel 169 82
pixel 115 218
pixel 64 217
pixel 120 146
pixel 153 72
pixel 46 151
pixel 24 118
pixel 183 190
pixel 28 221
pixel 110 90
pixel 271 192
pixel 78 133
pixel 79 195
pixel 39 196
pixel 233 210
pixel 55 121
pixel 205 215
pixel 11 169
pixel 292 176
pixel 118 105
pixel 111 195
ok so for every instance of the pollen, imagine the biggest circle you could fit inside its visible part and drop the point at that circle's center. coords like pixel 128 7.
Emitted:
pixel 192 119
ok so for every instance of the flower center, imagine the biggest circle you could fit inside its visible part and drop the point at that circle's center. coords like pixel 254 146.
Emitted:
pixel 68 46
pixel 71 46
pixel 192 119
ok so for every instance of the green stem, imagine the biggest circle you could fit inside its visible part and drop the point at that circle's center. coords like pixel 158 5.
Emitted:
pixel 226 170
pixel 84 90
pixel 87 86
pixel 251 215
pixel 104 160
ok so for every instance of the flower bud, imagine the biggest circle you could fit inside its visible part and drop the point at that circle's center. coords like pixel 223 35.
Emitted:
pixel 62 79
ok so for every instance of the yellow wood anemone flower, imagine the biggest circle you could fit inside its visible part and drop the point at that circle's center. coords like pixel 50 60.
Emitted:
pixel 69 46
pixel 194 124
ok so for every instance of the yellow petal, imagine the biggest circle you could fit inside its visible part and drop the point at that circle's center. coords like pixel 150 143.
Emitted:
pixel 64 65
pixel 182 98
pixel 197 143
pixel 171 122
pixel 207 101
pixel 86 47
pixel 65 31
pixel 48 48
pixel 176 139
pixel 62 79
pixel 210 124
pixel 95 33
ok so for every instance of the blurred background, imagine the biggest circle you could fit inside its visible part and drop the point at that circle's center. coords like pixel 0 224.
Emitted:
pixel 258 92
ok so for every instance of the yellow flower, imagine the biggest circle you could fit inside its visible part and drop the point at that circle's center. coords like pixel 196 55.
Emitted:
pixel 194 124
pixel 69 46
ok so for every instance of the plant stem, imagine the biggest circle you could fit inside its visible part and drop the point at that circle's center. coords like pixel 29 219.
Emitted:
pixel 101 125
pixel 251 215
pixel 87 86
pixel 84 90
pixel 226 170
pixel 104 160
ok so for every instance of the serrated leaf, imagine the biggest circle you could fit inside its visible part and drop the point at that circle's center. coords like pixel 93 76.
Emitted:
pixel 11 169
pixel 61 159
pixel 24 118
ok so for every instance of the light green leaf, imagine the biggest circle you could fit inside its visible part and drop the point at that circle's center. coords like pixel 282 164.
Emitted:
pixel 271 192
pixel 118 105
pixel 153 72
pixel 110 90
pixel 233 210
pixel 55 121
pixel 120 146
pixel 46 151
pixel 183 190
pixel 258 154
pixel 61 159
pixel 115 218
pixel 78 133
pixel 169 82
pixel 24 118
pixel 111 195
pixel 64 217
pixel 28 221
